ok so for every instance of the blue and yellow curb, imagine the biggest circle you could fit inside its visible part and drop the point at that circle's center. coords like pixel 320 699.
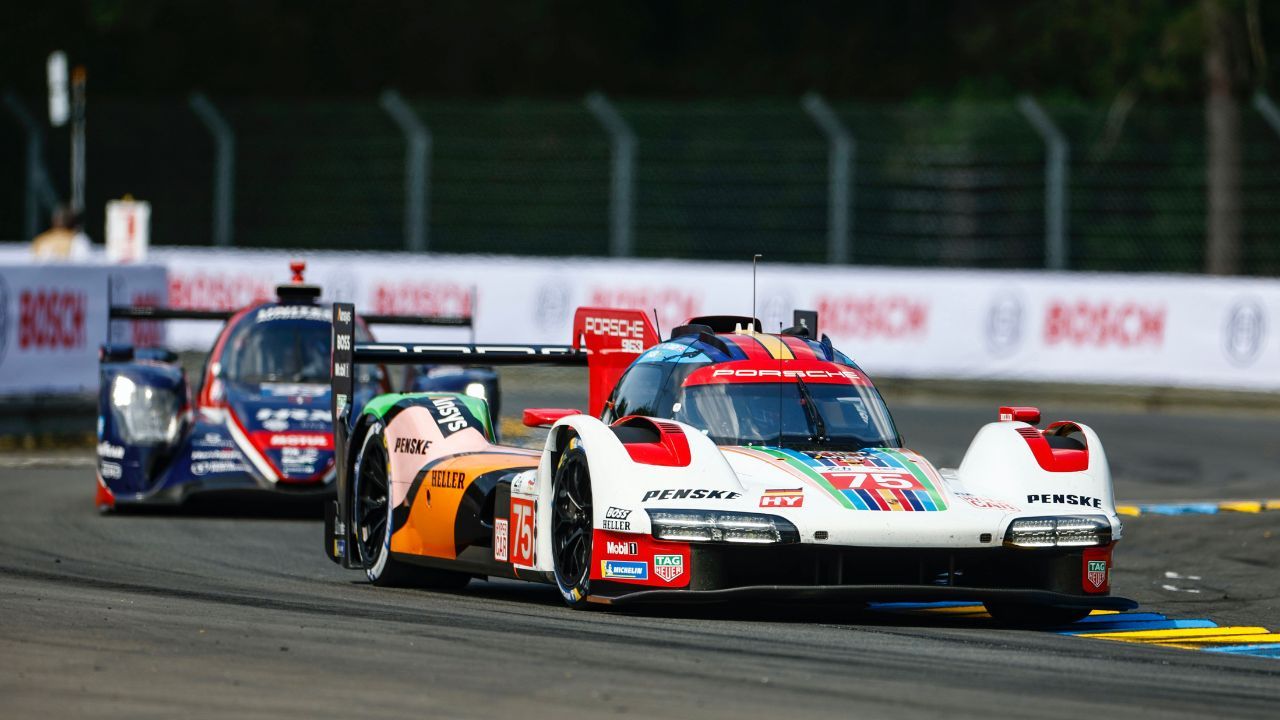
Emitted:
pixel 1199 508
pixel 1147 628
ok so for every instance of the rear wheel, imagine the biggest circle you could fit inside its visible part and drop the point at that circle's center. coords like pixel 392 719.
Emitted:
pixel 371 513
pixel 571 525
pixel 1024 615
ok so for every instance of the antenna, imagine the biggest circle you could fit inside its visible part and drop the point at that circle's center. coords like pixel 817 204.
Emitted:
pixel 754 260
pixel 657 325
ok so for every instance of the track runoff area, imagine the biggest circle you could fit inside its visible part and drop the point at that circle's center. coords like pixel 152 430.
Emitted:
pixel 239 612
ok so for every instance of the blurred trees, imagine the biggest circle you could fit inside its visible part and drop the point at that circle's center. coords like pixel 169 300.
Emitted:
pixel 870 49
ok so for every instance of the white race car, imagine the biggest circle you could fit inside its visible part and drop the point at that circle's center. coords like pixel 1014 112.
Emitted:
pixel 721 463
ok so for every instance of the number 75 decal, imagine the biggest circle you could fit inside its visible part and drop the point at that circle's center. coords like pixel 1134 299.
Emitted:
pixel 522 536
pixel 844 480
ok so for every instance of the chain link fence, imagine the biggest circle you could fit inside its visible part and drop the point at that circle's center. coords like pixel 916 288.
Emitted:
pixel 945 184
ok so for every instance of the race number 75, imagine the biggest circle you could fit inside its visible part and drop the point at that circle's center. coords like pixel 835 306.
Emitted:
pixel 522 541
pixel 888 481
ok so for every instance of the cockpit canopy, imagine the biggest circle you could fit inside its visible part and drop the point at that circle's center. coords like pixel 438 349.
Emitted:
pixel 749 389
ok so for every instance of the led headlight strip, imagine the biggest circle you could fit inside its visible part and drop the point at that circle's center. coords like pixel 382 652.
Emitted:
pixel 721 526
pixel 1060 531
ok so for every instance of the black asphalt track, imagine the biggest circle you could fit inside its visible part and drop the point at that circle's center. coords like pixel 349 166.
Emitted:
pixel 225 613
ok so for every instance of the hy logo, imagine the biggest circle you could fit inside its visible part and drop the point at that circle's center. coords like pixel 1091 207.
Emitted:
pixel 668 567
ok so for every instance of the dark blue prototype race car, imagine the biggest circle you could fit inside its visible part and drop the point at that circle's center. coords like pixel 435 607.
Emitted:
pixel 260 419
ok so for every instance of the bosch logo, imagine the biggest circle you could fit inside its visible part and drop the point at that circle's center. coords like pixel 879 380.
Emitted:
pixel 892 317
pixel 614 327
pixel 1245 331
pixel 51 319
pixel 1004 324
pixel 1104 324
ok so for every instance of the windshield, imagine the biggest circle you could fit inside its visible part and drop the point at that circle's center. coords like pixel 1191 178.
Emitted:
pixel 294 351
pixel 790 414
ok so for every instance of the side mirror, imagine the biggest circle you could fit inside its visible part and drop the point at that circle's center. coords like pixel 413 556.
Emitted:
pixel 546 417
pixel 1029 415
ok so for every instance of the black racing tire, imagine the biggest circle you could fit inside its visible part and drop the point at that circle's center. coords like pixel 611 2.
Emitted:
pixel 1030 616
pixel 572 525
pixel 371 514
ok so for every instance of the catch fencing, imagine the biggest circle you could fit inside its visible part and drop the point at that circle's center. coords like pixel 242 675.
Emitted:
pixel 1015 184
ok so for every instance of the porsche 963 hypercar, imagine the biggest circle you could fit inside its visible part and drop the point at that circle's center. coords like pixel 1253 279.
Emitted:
pixel 259 421
pixel 720 463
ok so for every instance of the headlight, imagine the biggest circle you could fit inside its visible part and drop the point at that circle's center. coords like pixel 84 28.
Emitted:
pixel 476 390
pixel 721 526
pixel 146 414
pixel 1065 531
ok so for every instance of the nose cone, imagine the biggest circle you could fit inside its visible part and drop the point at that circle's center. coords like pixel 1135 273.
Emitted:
pixel 291 425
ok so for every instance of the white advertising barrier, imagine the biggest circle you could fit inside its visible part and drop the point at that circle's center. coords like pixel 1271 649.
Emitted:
pixel 1185 331
pixel 53 318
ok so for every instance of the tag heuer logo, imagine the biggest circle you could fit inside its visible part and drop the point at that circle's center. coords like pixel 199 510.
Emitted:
pixel 668 567
pixel 1097 574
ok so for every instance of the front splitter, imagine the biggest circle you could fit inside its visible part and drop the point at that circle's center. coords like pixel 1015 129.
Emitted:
pixel 870 593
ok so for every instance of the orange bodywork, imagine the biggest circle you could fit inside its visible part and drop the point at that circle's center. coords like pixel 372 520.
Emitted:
pixel 434 504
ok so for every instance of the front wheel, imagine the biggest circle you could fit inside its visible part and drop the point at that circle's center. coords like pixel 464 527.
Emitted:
pixel 371 515
pixel 1024 615
pixel 571 526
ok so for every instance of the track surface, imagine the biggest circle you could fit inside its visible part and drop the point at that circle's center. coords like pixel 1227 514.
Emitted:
pixel 210 615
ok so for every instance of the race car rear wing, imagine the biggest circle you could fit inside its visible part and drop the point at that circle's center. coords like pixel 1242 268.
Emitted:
pixel 347 354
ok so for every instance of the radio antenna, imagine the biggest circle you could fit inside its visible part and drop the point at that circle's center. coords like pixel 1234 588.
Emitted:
pixel 755 259
pixel 657 325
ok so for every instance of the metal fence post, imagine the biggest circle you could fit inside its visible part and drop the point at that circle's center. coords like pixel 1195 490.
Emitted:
pixel 622 151
pixel 1056 250
pixel 417 169
pixel 839 178
pixel 224 167
pixel 39 190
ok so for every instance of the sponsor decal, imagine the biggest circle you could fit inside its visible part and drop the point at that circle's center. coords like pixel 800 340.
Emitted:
pixel 1060 499
pixel 1104 324
pixel 674 304
pixel 414 297
pixel 782 498
pixel 312 440
pixel 987 503
pixel 449 415
pixel 220 454
pixel 625 569
pixel 1245 331
pixel 690 494
pixel 500 539
pixel 616 519
pixel 292 414
pixel 412 446
pixel 144 333
pixel 523 537
pixel 448 479
pixel 668 567
pixel 229 292
pixel 214 467
pixel 110 470
pixel 299 459
pixel 869 316
pixel 526 483
pixel 815 374
pixel 300 390
pixel 107 450
pixel 292 312
pixel 1004 324
pixel 622 547
pixel 51 319
pixel 1096 572
pixel 212 440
